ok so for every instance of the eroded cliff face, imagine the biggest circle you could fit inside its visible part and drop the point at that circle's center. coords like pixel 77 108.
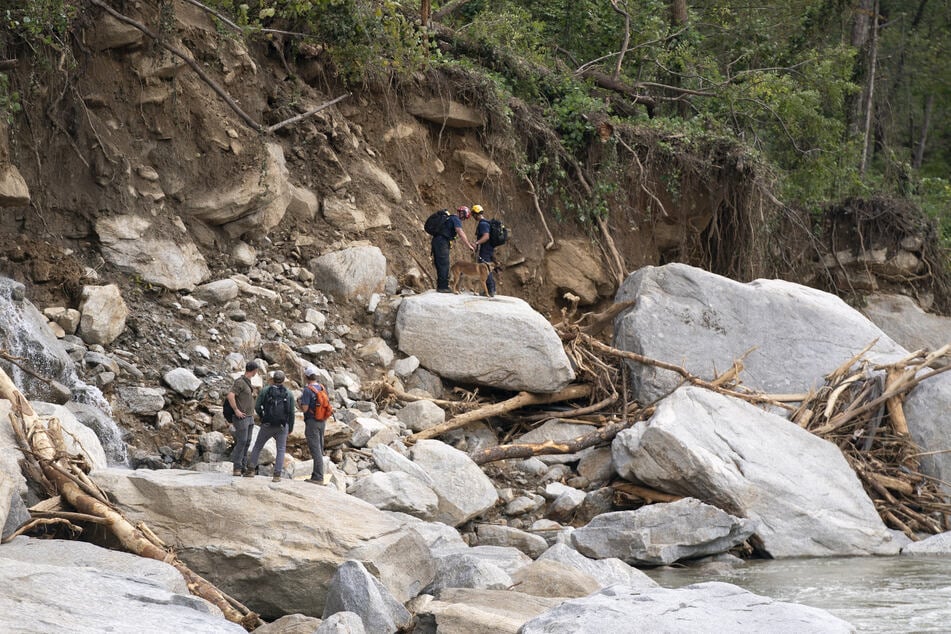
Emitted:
pixel 138 167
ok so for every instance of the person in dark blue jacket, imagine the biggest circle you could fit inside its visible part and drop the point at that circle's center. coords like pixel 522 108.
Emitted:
pixel 485 250
pixel 442 242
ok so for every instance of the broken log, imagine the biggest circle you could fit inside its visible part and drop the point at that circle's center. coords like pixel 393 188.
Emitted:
pixel 526 450
pixel 648 495
pixel 522 399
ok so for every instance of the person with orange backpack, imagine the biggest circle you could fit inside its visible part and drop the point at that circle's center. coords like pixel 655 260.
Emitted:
pixel 315 403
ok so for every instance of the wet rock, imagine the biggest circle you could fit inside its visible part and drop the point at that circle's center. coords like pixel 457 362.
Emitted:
pixel 660 534
pixel 707 607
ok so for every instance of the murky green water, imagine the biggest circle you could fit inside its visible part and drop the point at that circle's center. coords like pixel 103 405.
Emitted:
pixel 875 594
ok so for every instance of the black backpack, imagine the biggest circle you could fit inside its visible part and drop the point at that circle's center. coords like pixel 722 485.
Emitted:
pixel 227 411
pixel 498 233
pixel 435 225
pixel 277 406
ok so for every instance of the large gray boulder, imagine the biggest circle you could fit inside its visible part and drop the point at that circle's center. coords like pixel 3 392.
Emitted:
pixel 710 607
pixel 463 489
pixel 522 352
pixel 905 322
pixel 926 409
pixel 661 534
pixel 461 569
pixel 799 488
pixel 550 578
pixel 939 544
pixel 396 491
pixel 704 322
pixel 279 544
pixel 56 586
pixel 353 589
pixel 134 245
pixel 345 274
pixel 242 205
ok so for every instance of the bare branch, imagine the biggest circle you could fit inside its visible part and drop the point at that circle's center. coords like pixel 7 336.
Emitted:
pixel 620 6
pixel 287 122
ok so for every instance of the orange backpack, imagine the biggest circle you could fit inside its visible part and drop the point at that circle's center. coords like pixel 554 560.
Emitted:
pixel 322 409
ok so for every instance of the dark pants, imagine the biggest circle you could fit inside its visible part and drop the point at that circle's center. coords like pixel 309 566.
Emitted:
pixel 440 247
pixel 279 434
pixel 314 433
pixel 242 440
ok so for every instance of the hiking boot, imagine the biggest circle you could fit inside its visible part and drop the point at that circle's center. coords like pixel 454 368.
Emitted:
pixel 491 294
pixel 276 478
pixel 236 473
pixel 443 290
pixel 319 481
pixel 248 472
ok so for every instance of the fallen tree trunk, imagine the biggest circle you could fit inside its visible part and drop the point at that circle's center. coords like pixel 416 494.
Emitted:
pixel 522 399
pixel 501 452
pixel 44 446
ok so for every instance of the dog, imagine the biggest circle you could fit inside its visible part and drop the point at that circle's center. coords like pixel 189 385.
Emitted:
pixel 481 270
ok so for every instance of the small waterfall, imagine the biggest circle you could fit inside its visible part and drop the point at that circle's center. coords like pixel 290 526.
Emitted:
pixel 24 334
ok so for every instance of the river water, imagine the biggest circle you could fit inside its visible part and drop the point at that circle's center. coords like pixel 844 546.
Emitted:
pixel 874 594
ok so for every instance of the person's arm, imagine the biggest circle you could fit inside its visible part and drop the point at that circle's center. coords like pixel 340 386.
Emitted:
pixel 481 238
pixel 465 238
pixel 234 405
pixel 259 403
pixel 305 396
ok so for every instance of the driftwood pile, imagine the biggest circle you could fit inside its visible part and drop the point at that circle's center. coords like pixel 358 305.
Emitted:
pixel 74 503
pixel 860 410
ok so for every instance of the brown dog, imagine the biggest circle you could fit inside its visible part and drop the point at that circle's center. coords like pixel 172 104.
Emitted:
pixel 463 268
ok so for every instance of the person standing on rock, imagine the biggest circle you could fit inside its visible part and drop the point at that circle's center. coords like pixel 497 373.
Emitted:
pixel 315 403
pixel 442 242
pixel 241 398
pixel 275 408
pixel 485 252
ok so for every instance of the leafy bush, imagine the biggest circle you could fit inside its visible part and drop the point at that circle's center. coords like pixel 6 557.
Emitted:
pixel 367 40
